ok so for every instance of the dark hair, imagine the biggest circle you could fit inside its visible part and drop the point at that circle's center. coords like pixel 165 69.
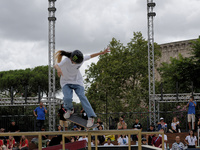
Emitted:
pixel 152 125
pixel 61 53
pixel 192 131
pixel 108 139
pixel 192 97
pixel 100 126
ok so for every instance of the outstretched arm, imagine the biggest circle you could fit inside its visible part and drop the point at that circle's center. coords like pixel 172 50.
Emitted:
pixel 59 71
pixel 101 53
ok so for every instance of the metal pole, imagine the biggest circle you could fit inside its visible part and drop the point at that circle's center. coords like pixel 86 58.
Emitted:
pixel 192 89
pixel 25 94
pixel 176 90
pixel 39 98
pixel 11 94
pixel 106 111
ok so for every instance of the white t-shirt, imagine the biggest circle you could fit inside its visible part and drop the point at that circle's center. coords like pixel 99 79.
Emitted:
pixel 173 124
pixel 71 72
pixel 165 139
pixel 123 141
pixel 81 139
pixel 191 140
pixel 106 144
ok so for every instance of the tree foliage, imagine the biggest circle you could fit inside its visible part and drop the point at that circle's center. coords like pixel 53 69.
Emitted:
pixel 185 71
pixel 120 78
pixel 30 78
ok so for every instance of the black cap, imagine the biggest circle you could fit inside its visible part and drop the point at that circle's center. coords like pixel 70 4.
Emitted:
pixel 77 56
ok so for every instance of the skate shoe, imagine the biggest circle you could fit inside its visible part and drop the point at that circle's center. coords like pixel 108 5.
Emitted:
pixel 68 113
pixel 90 122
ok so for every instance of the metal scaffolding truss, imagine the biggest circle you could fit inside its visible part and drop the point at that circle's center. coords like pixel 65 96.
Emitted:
pixel 51 94
pixel 29 101
pixel 152 102
pixel 176 98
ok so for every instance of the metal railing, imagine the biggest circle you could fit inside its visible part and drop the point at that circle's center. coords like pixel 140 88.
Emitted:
pixel 89 134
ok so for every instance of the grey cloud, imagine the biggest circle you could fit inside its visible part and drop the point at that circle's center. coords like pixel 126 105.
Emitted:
pixel 87 25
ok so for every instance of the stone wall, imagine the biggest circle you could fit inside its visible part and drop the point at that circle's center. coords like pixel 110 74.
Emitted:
pixel 173 49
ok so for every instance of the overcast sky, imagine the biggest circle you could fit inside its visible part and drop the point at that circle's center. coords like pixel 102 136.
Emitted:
pixel 87 25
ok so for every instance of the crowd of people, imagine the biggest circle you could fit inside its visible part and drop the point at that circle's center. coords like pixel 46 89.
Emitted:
pixel 22 143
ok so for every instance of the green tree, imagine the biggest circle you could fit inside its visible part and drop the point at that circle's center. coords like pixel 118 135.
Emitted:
pixel 120 78
pixel 30 78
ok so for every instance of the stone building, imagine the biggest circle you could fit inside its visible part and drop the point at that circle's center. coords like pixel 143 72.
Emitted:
pixel 173 49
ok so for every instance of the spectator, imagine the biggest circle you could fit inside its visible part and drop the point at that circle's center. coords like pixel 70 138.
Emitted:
pixel 165 138
pixel 1 144
pixel 144 141
pixel 122 140
pixel 191 140
pixel 149 137
pixel 83 138
pixel 44 137
pixel 178 145
pixel 136 125
pixel 101 138
pixel 2 130
pixel 93 141
pixel 157 141
pixel 162 124
pixel 59 128
pixel 14 128
pixel 10 143
pixel 108 143
pixel 63 122
pixel 75 128
pixel 41 111
pixel 198 124
pixel 175 126
pixel 73 139
pixel 121 124
pixel 23 143
pixel 191 112
pixel 99 122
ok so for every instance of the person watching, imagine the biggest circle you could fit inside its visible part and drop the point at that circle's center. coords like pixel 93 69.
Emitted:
pixel 191 140
pixel 191 113
pixel 175 125
pixel 178 145
pixel 40 112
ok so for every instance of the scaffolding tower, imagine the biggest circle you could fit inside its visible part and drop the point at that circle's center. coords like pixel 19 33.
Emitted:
pixel 51 94
pixel 152 103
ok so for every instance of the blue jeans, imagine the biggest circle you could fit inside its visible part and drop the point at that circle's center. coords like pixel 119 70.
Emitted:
pixel 79 90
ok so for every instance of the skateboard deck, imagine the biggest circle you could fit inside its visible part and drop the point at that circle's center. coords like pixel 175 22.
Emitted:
pixel 80 121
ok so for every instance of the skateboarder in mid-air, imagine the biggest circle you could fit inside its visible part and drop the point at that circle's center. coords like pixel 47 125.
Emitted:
pixel 71 79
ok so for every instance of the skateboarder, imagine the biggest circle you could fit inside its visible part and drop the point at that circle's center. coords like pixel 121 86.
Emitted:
pixel 71 79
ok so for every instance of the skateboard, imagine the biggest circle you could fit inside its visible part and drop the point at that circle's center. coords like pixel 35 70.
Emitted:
pixel 80 121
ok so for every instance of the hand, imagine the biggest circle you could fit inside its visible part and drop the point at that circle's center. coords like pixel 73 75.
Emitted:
pixel 59 72
pixel 106 50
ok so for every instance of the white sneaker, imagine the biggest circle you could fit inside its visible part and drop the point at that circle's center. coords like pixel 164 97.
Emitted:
pixel 90 122
pixel 67 114
pixel 179 131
